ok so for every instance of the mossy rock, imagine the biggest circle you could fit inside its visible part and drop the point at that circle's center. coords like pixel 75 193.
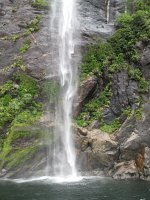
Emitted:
pixel 22 140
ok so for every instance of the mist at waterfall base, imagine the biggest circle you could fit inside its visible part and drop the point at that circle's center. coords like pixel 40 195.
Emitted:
pixel 87 189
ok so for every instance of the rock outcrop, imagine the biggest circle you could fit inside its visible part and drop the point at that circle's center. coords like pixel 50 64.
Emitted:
pixel 96 150
pixel 129 148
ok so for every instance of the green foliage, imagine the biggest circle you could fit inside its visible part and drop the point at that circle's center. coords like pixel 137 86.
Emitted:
pixel 132 28
pixel 40 4
pixel 117 64
pixel 111 128
pixel 13 37
pixel 142 5
pixel 15 96
pixel 97 57
pixel 25 47
pixel 138 113
pixel 27 85
pixel 27 117
pixel 135 74
pixel 33 26
pixel 18 63
pixel 124 20
pixel 93 109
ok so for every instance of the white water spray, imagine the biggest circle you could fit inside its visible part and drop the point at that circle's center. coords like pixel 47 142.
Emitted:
pixel 107 11
pixel 62 29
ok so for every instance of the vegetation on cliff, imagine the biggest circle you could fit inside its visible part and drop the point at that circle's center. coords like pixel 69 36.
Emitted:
pixel 39 4
pixel 20 105
pixel 118 54
pixel 19 109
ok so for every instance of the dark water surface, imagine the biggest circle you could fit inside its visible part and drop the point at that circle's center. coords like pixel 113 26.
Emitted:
pixel 87 189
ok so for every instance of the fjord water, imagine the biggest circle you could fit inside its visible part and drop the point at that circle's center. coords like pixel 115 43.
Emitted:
pixel 62 30
pixel 87 189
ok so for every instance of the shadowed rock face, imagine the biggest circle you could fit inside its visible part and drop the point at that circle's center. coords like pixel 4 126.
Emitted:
pixel 87 90
pixel 14 23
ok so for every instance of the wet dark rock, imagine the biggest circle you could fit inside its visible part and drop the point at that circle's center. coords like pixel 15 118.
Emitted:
pixel 108 116
pixel 95 125
pixel 145 58
pixel 87 90
pixel 125 92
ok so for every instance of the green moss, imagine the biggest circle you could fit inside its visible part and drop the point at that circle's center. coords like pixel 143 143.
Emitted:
pixel 25 47
pixel 111 128
pixel 21 156
pixel 13 37
pixel 138 113
pixel 40 4
pixel 18 157
pixel 33 26
pixel 18 63
pixel 13 147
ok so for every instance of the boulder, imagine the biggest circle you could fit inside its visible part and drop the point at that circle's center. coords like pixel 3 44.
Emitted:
pixel 108 116
pixel 130 146
pixel 87 90
pixel 147 164
pixel 125 170
pixel 97 151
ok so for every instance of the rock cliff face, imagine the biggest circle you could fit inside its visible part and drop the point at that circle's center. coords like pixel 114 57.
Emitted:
pixel 25 49
pixel 125 155
pixel 99 16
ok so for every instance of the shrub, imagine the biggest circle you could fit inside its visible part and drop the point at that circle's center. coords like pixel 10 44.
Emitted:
pixel 17 95
pixel 40 4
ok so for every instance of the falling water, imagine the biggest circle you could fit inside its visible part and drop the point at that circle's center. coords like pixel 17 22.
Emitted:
pixel 62 30
pixel 107 11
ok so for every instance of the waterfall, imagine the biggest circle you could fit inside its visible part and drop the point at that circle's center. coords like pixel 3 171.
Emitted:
pixel 126 6
pixel 63 31
pixel 107 2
